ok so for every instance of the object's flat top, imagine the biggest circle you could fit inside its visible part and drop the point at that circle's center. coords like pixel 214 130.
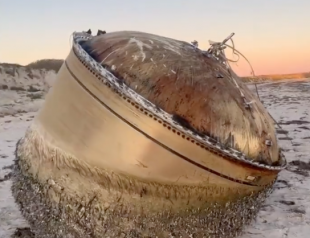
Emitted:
pixel 183 81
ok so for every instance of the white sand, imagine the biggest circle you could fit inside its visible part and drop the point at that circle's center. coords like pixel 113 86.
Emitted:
pixel 286 213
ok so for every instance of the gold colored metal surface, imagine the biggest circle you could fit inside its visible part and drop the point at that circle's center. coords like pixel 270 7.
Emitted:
pixel 88 120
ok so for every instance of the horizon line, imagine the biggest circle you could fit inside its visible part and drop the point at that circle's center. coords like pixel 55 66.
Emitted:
pixel 253 76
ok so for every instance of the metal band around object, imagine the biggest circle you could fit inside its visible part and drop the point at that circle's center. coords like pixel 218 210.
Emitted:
pixel 108 78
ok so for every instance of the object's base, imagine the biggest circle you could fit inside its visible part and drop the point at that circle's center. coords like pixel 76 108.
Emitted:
pixel 82 216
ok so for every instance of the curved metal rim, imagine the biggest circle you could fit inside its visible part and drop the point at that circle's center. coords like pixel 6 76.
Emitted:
pixel 107 77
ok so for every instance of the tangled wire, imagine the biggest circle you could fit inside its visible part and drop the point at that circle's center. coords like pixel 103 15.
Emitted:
pixel 217 50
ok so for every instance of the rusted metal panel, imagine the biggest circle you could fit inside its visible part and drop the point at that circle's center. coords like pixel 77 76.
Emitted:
pixel 199 90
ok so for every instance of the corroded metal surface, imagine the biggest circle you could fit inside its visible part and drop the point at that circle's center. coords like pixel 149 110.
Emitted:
pixel 65 199
pixel 123 152
pixel 184 82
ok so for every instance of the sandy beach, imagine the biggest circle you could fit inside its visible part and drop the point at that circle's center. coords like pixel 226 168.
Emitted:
pixel 286 213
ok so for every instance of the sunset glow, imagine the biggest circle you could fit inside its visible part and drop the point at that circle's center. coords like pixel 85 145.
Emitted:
pixel 273 35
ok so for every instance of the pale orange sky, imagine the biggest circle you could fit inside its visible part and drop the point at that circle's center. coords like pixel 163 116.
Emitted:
pixel 273 34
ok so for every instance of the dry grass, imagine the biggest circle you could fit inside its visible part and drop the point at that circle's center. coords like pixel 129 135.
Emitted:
pixel 44 64
pixel 275 77
pixel 47 64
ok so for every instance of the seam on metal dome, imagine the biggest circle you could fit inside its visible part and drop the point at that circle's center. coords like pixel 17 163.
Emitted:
pixel 135 99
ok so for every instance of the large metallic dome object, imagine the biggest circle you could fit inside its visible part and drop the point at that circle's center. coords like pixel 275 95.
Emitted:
pixel 145 136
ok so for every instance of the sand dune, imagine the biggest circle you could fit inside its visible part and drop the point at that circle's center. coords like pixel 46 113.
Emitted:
pixel 23 78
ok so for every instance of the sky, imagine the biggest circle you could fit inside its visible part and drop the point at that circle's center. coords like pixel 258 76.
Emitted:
pixel 273 34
